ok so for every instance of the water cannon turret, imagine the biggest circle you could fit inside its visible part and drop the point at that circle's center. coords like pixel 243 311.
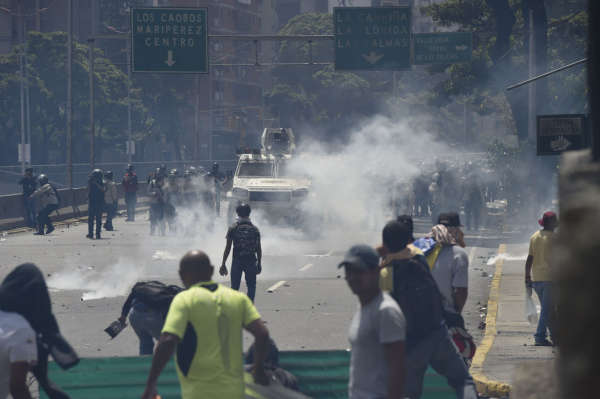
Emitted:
pixel 278 141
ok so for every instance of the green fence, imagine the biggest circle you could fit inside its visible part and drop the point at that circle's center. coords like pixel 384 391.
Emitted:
pixel 321 374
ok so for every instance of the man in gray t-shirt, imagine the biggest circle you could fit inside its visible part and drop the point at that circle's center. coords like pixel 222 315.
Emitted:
pixel 377 332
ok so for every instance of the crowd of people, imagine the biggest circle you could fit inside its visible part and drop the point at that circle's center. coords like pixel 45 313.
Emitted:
pixel 173 198
pixel 411 295
pixel 439 186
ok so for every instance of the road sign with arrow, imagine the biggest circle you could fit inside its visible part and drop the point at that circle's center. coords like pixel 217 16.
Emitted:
pixel 442 48
pixel 372 38
pixel 169 40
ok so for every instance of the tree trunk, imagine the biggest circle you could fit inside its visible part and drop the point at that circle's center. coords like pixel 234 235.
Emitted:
pixel 504 72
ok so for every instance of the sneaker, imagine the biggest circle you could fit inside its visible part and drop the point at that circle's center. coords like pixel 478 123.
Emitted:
pixel 50 230
pixel 39 233
pixel 90 236
pixel 543 343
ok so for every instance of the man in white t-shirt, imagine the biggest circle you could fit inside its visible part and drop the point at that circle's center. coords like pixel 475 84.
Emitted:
pixel 377 332
pixel 18 352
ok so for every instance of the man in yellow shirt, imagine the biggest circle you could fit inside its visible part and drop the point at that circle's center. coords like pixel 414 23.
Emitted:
pixel 538 276
pixel 205 324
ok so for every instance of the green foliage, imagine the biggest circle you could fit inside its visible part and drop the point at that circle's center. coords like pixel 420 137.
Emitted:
pixel 284 101
pixel 47 66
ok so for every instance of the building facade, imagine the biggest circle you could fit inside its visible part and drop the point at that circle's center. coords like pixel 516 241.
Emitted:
pixel 53 19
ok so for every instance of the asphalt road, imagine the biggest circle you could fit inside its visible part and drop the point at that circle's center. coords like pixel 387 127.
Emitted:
pixel 310 310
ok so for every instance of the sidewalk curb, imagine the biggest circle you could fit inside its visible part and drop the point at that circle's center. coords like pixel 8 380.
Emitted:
pixel 483 383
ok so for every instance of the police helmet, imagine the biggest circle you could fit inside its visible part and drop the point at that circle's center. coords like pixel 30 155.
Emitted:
pixel 109 175
pixel 158 174
pixel 174 173
pixel 193 171
pixel 129 167
pixel 163 167
pixel 97 173
pixel 215 165
pixel 243 210
pixel 43 179
pixel 29 169
pixel 187 174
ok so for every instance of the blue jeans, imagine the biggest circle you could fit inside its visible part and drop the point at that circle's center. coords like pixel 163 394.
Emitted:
pixel 545 291
pixel 146 327
pixel 248 267
pixel 439 351
pixel 31 208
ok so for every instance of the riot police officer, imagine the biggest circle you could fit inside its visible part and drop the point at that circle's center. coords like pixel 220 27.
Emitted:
pixel 95 195
pixel 219 179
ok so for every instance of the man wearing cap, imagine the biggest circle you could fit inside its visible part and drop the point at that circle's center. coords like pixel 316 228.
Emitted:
pixel 377 332
pixel 538 276
pixel 450 269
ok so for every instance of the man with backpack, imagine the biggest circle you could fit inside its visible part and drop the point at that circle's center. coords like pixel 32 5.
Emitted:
pixel 130 186
pixel 147 306
pixel 50 203
pixel 405 274
pixel 247 252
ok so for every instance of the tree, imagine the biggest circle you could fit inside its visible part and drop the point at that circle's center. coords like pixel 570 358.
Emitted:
pixel 500 57
pixel 47 64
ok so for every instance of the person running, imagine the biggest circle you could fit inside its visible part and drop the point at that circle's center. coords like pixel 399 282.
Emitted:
pixel 537 275
pixel 205 324
pixel 247 251
pixel 50 202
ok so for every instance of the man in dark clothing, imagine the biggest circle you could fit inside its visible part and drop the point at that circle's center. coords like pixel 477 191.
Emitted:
pixel 247 252
pixel 130 186
pixel 219 179
pixel 147 306
pixel 24 292
pixel 50 202
pixel 29 182
pixel 95 195
pixel 272 368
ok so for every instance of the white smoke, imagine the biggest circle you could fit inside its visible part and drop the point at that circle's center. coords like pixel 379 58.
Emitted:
pixel 504 256
pixel 112 281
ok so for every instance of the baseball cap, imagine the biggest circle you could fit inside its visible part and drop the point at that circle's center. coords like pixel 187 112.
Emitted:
pixel 547 216
pixel 361 256
pixel 449 219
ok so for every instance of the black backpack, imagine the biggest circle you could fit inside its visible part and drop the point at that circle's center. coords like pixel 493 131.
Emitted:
pixel 418 295
pixel 246 239
pixel 155 294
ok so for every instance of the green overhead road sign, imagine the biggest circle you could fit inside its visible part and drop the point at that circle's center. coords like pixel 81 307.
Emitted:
pixel 442 48
pixel 169 40
pixel 372 38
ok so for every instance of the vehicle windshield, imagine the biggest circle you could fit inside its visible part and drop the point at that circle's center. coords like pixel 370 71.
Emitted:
pixel 256 169
pixel 290 170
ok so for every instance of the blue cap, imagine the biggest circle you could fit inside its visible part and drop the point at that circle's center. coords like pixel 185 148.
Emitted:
pixel 362 256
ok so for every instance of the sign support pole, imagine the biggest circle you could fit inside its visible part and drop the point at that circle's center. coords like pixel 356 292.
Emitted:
pixel 92 122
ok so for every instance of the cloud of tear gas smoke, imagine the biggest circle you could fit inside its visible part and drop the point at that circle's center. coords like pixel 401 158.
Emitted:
pixel 504 256
pixel 372 172
pixel 112 281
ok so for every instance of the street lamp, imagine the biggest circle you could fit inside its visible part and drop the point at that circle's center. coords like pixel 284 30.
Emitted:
pixel 128 88
pixel 20 16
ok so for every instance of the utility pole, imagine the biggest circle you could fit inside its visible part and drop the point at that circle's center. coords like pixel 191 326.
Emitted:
pixel 92 122
pixel 532 118
pixel 27 103
pixel 22 94
pixel 70 96
pixel 197 132
pixel 129 97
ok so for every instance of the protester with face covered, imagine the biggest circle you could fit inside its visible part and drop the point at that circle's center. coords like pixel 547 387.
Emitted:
pixel 157 203
pixel 24 292
pixel 450 269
